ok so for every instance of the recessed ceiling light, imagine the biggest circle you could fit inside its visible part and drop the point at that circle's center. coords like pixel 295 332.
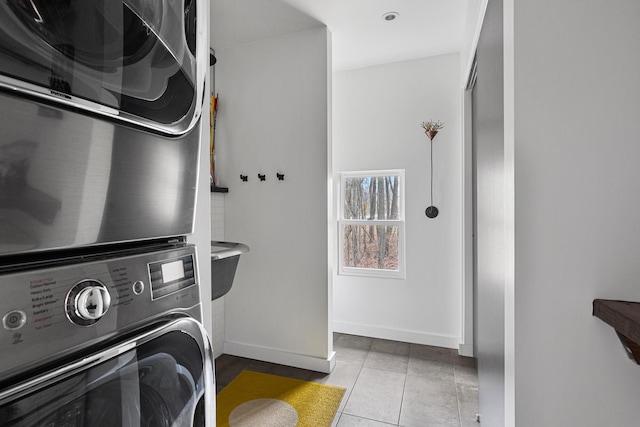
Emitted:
pixel 390 16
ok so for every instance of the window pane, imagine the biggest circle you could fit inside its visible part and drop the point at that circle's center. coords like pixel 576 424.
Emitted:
pixel 372 197
pixel 370 246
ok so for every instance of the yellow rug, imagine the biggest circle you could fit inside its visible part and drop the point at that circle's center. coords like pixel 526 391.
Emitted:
pixel 254 399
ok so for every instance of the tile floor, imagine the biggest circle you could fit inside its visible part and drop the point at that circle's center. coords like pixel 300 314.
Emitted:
pixel 388 383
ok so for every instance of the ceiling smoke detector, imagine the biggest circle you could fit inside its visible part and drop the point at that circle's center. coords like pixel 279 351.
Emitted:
pixel 390 16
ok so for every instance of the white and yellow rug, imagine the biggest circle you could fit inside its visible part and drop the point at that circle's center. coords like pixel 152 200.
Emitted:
pixel 254 399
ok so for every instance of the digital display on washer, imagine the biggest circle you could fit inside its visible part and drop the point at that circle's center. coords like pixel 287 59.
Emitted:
pixel 168 277
pixel 172 271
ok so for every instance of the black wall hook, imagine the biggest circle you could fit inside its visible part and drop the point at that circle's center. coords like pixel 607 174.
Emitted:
pixel 244 178
pixel 262 177
pixel 280 176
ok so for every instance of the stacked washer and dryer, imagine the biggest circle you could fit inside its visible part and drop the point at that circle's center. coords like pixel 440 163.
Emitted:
pixel 100 109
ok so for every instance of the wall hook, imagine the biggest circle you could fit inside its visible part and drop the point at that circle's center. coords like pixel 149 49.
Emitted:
pixel 244 178
pixel 280 176
pixel 262 177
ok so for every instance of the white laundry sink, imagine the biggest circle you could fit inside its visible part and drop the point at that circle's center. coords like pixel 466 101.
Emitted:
pixel 224 262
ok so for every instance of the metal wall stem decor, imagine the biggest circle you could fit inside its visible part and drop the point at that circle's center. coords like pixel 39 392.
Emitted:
pixel 431 129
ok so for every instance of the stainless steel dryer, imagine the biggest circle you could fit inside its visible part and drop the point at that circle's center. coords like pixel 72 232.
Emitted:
pixel 100 110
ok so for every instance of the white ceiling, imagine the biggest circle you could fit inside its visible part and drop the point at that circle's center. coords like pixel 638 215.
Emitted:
pixel 360 36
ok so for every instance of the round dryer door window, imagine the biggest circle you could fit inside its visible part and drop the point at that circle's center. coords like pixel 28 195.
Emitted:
pixel 141 61
pixel 162 382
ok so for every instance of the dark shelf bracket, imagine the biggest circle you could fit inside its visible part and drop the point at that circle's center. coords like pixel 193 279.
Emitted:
pixel 624 317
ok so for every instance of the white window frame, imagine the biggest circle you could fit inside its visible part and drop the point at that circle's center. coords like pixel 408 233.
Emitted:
pixel 400 223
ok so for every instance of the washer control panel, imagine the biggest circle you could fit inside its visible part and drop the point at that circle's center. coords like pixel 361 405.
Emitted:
pixel 54 311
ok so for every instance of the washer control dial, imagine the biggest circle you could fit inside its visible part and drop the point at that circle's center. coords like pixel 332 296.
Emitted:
pixel 87 302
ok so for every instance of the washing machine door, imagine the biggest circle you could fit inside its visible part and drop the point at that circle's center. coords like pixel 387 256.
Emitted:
pixel 140 61
pixel 163 377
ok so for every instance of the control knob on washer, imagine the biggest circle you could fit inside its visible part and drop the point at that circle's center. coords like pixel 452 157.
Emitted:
pixel 87 302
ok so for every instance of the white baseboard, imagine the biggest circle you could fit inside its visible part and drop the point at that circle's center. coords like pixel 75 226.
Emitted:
pixel 281 357
pixel 397 335
pixel 465 350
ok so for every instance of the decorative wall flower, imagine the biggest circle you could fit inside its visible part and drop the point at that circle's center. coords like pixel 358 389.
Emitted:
pixel 431 126
pixel 431 129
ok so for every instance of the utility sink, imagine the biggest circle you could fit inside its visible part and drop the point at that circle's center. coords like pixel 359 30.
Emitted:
pixel 224 261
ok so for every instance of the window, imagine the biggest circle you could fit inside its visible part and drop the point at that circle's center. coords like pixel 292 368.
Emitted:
pixel 371 223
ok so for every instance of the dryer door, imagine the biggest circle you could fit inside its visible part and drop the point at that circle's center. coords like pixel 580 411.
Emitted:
pixel 141 61
pixel 161 378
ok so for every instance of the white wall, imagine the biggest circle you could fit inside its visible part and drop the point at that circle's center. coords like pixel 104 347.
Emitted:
pixel 376 125
pixel 202 231
pixel 201 236
pixel 577 232
pixel 217 306
pixel 272 118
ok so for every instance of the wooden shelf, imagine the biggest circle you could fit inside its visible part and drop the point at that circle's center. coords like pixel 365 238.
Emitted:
pixel 215 189
pixel 624 317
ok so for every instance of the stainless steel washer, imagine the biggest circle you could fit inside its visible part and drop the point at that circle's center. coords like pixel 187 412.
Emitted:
pixel 106 341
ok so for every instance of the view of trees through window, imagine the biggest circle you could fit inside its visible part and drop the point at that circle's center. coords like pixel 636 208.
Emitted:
pixel 370 231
